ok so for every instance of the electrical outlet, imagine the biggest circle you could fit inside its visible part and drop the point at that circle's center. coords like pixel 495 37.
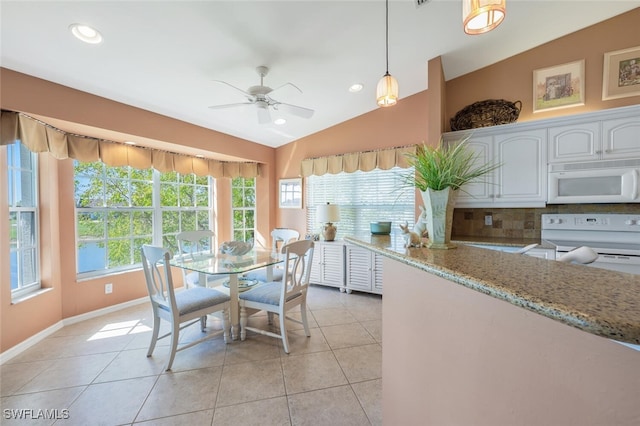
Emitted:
pixel 488 220
pixel 108 288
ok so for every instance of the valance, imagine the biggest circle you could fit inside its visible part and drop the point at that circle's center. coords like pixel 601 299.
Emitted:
pixel 41 137
pixel 383 159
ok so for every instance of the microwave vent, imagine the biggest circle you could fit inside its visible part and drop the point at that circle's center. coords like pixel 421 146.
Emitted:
pixel 591 165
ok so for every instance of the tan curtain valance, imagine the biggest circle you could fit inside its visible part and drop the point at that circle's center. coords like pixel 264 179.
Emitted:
pixel 383 159
pixel 41 137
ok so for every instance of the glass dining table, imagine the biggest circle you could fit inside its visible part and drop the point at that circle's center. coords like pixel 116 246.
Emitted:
pixel 233 267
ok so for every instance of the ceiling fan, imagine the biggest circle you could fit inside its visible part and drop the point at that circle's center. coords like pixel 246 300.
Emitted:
pixel 259 96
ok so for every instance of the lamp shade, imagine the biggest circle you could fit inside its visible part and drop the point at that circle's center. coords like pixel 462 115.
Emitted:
pixel 387 91
pixel 481 16
pixel 328 213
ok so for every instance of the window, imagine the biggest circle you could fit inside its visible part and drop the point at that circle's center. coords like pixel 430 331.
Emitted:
pixel 184 205
pixel 118 209
pixel 24 239
pixel 363 197
pixel 243 208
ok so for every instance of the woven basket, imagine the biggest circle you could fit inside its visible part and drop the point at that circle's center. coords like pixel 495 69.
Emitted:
pixel 490 112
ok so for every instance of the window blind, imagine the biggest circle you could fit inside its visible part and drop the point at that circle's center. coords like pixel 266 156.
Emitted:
pixel 363 197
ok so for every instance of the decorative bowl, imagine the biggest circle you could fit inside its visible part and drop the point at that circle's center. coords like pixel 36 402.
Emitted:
pixel 236 248
pixel 380 228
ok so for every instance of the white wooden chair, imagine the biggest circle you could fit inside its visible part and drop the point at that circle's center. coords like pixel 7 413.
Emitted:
pixel 189 306
pixel 192 243
pixel 279 297
pixel 279 237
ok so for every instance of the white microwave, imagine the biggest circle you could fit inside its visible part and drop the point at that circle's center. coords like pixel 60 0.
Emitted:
pixel 594 182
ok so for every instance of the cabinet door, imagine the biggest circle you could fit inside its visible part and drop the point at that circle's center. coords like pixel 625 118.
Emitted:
pixel 621 138
pixel 522 178
pixel 315 275
pixel 478 194
pixel 377 274
pixel 333 264
pixel 359 268
pixel 580 142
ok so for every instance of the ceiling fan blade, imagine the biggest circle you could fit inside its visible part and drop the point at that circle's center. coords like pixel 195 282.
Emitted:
pixel 287 84
pixel 295 110
pixel 232 86
pixel 264 117
pixel 230 105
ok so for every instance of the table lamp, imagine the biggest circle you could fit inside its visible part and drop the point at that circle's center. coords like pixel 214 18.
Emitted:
pixel 328 213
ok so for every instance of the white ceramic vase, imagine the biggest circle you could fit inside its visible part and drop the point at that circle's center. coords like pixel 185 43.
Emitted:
pixel 439 208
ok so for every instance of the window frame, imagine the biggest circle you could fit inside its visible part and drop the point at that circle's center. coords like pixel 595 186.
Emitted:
pixel 13 171
pixel 342 188
pixel 244 208
pixel 156 209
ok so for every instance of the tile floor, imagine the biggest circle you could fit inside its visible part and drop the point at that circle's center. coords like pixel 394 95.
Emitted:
pixel 95 372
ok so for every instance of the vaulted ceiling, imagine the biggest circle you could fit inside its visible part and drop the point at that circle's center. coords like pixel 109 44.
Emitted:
pixel 164 56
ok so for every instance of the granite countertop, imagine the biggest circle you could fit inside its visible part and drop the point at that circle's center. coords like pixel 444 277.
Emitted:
pixel 598 301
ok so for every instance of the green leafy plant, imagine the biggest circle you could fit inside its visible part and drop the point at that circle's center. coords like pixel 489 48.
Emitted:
pixel 447 165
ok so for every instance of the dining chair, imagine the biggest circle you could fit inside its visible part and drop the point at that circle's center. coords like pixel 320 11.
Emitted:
pixel 279 237
pixel 192 243
pixel 181 309
pixel 279 297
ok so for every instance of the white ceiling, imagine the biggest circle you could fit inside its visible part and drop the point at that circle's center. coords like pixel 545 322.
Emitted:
pixel 162 56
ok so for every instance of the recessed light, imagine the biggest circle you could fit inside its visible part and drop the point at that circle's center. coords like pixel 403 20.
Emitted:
pixel 86 33
pixel 279 121
pixel 356 88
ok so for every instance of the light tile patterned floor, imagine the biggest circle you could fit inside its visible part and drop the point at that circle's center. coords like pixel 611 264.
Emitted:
pixel 97 371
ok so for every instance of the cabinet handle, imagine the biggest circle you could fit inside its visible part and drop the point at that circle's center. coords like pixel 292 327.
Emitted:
pixel 598 152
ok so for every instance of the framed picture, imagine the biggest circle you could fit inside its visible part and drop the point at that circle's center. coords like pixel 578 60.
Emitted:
pixel 561 86
pixel 621 74
pixel 290 193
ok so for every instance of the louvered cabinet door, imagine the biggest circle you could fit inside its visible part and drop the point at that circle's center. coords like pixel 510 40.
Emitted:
pixel 377 274
pixel 328 264
pixel 359 269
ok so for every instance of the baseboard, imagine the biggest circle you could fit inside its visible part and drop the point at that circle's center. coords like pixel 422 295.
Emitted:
pixel 36 338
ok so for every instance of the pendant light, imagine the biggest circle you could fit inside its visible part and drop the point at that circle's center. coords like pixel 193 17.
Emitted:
pixel 387 91
pixel 481 16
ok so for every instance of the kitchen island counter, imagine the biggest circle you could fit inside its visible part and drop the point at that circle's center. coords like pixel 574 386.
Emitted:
pixel 483 337
pixel 598 301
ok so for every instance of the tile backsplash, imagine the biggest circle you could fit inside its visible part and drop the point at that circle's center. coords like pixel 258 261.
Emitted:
pixel 522 223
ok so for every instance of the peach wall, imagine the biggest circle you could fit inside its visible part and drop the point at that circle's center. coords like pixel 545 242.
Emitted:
pixel 413 120
pixel 67 297
pixel 403 124
pixel 425 115
pixel 454 356
pixel 512 79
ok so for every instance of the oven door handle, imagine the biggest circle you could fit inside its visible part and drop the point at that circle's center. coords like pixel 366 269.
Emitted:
pixel 634 187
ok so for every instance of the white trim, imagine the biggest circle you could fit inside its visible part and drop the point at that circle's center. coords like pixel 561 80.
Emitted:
pixel 36 338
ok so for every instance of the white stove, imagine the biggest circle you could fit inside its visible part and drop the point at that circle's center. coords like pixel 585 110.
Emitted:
pixel 616 237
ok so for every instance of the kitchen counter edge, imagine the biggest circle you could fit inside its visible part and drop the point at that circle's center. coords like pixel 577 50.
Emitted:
pixel 604 303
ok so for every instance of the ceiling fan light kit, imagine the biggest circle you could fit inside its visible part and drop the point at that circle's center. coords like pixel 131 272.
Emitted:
pixel 387 90
pixel 258 96
pixel 481 16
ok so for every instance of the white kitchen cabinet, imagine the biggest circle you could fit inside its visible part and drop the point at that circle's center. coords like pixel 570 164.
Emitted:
pixel 327 267
pixel 363 270
pixel 606 139
pixel 621 137
pixel 574 142
pixel 520 181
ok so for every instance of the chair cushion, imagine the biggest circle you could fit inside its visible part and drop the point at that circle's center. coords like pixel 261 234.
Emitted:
pixel 268 293
pixel 261 274
pixel 197 298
